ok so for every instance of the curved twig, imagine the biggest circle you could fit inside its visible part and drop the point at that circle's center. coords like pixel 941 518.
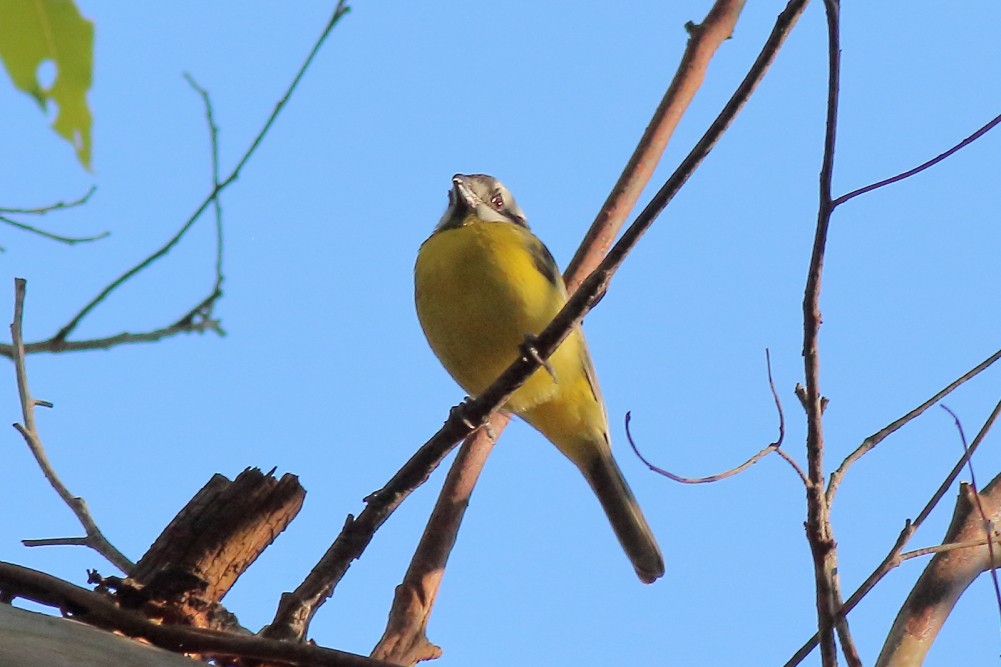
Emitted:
pixel 42 210
pixel 978 503
pixel 773 447
pixel 921 167
pixel 216 203
pixel 68 240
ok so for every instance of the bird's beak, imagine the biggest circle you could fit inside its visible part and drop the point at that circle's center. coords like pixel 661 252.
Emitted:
pixel 463 193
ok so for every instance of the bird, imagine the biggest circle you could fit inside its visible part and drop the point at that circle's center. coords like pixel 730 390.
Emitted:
pixel 484 287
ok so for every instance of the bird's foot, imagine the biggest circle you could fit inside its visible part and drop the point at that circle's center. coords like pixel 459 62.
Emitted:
pixel 529 350
pixel 461 412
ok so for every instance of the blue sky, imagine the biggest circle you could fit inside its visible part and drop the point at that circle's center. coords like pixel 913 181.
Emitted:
pixel 325 372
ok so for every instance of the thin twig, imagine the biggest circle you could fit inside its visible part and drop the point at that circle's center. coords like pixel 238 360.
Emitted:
pixel 216 202
pixel 950 546
pixel 988 525
pixel 892 558
pixel 339 11
pixel 68 240
pixel 42 210
pixel 696 480
pixel 57 542
pixel 194 321
pixel 773 447
pixel 95 538
pixel 838 475
pixel 921 167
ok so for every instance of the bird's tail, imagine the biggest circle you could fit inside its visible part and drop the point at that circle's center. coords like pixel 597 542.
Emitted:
pixel 626 518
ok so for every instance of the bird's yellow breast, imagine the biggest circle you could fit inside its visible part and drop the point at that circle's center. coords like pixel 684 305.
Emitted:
pixel 478 295
pixel 481 288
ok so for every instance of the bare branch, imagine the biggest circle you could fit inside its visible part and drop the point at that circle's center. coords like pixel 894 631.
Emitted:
pixel 921 167
pixel 985 516
pixel 405 639
pixel 949 546
pixel 94 609
pixel 819 531
pixel 339 11
pixel 696 480
pixel 945 578
pixel 704 40
pixel 893 558
pixel 42 210
pixel 773 447
pixel 57 542
pixel 892 427
pixel 197 320
pixel 68 240
pixel 95 539
pixel 216 203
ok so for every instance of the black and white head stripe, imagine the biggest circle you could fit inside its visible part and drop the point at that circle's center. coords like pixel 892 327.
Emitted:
pixel 484 196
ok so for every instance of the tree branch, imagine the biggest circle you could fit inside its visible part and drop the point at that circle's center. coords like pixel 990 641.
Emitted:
pixel 68 240
pixel 95 538
pixel 880 435
pixel 703 42
pixel 42 210
pixel 216 203
pixel 945 578
pixel 94 609
pixel 405 639
pixel 773 447
pixel 59 341
pixel 921 167
pixel 59 205
pixel 819 531
pixel 894 558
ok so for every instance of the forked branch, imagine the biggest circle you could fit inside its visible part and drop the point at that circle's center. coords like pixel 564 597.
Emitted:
pixel 29 431
pixel 200 318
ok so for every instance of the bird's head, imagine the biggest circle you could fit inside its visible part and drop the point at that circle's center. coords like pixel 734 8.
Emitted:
pixel 482 196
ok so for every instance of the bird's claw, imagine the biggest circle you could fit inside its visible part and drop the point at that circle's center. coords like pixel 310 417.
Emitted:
pixel 461 411
pixel 531 352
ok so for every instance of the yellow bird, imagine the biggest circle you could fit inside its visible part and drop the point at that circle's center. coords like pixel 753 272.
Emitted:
pixel 483 283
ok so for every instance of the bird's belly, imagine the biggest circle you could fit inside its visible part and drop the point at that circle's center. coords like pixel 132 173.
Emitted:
pixel 477 300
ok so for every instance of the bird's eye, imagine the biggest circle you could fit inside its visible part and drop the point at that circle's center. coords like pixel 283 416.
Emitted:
pixel 497 201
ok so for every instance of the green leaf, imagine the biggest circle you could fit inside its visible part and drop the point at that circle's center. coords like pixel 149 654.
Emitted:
pixel 33 32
